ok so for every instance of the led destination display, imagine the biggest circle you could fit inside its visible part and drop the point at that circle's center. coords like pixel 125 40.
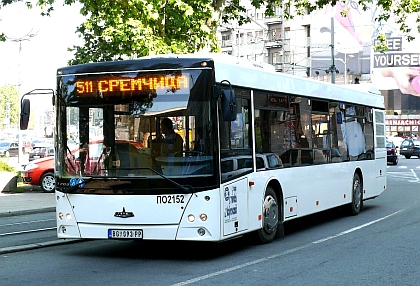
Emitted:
pixel 110 85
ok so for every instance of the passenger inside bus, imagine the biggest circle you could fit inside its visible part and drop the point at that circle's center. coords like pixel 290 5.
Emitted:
pixel 172 142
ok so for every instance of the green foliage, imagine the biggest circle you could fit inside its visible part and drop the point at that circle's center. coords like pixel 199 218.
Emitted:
pixel 9 97
pixel 117 29
pixel 5 167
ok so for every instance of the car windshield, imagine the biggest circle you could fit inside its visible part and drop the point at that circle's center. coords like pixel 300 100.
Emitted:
pixel 388 144
pixel 406 143
pixel 4 144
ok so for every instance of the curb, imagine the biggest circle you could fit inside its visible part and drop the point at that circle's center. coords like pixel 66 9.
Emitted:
pixel 38 245
pixel 27 212
pixel 11 180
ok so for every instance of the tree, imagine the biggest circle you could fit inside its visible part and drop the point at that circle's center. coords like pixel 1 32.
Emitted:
pixel 119 28
pixel 116 28
pixel 9 108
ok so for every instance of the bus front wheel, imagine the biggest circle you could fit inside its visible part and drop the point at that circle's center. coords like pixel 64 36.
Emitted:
pixel 270 217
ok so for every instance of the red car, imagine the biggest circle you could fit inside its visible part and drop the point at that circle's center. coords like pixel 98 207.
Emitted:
pixel 40 172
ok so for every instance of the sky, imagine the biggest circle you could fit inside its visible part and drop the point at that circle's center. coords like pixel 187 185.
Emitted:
pixel 35 65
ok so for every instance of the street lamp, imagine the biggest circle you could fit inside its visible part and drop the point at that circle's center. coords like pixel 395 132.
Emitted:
pixel 346 58
pixel 27 37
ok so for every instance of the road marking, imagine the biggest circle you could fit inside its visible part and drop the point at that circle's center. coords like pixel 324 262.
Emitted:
pixel 415 176
pixel 410 176
pixel 258 261
pixel 28 231
pixel 26 222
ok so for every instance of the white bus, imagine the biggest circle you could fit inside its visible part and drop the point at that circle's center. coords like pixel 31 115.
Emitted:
pixel 207 148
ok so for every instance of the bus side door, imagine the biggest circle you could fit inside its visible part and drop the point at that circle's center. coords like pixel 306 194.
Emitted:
pixel 235 206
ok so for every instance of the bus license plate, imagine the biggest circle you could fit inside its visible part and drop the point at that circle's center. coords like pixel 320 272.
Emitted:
pixel 125 233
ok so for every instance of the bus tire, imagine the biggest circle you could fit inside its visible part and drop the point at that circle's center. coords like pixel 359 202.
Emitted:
pixel 270 217
pixel 356 195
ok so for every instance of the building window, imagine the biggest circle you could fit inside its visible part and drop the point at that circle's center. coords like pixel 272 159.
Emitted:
pixel 277 58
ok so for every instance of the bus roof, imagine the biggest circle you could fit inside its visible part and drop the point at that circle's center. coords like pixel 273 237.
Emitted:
pixel 243 73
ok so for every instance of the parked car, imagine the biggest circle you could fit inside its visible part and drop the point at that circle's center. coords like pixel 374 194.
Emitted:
pixel 392 155
pixel 9 148
pixel 236 165
pixel 396 140
pixel 410 147
pixel 40 172
pixel 41 151
pixel 38 141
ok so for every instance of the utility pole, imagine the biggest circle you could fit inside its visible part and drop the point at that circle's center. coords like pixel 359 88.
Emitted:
pixel 332 52
pixel 27 37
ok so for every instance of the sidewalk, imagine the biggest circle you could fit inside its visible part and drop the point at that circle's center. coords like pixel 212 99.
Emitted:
pixel 23 203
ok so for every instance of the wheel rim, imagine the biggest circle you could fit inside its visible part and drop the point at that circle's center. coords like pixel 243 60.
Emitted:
pixel 270 212
pixel 357 193
pixel 48 183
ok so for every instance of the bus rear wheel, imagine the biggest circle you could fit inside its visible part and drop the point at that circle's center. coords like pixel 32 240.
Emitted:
pixel 357 195
pixel 270 217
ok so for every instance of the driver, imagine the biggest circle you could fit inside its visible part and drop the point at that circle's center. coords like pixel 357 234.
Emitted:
pixel 172 142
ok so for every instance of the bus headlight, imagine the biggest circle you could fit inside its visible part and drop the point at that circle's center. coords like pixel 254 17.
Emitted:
pixel 60 216
pixel 68 217
pixel 191 218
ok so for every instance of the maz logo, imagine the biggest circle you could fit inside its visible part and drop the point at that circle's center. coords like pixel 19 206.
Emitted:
pixel 124 214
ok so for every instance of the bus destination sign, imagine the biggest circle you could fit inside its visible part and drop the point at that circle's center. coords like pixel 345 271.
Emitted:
pixel 147 83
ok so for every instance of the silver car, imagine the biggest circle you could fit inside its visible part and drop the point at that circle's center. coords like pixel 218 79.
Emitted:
pixel 8 148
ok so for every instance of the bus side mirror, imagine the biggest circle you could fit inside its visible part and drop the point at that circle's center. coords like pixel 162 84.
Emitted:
pixel 228 105
pixel 25 110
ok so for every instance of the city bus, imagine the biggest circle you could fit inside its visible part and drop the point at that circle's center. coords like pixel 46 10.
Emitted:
pixel 207 147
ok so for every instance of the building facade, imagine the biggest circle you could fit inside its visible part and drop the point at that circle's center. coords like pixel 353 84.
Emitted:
pixel 326 46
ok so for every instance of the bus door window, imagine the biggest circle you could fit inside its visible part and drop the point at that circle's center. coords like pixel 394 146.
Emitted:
pixel 235 140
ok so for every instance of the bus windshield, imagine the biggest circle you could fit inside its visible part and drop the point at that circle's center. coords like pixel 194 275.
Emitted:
pixel 136 125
